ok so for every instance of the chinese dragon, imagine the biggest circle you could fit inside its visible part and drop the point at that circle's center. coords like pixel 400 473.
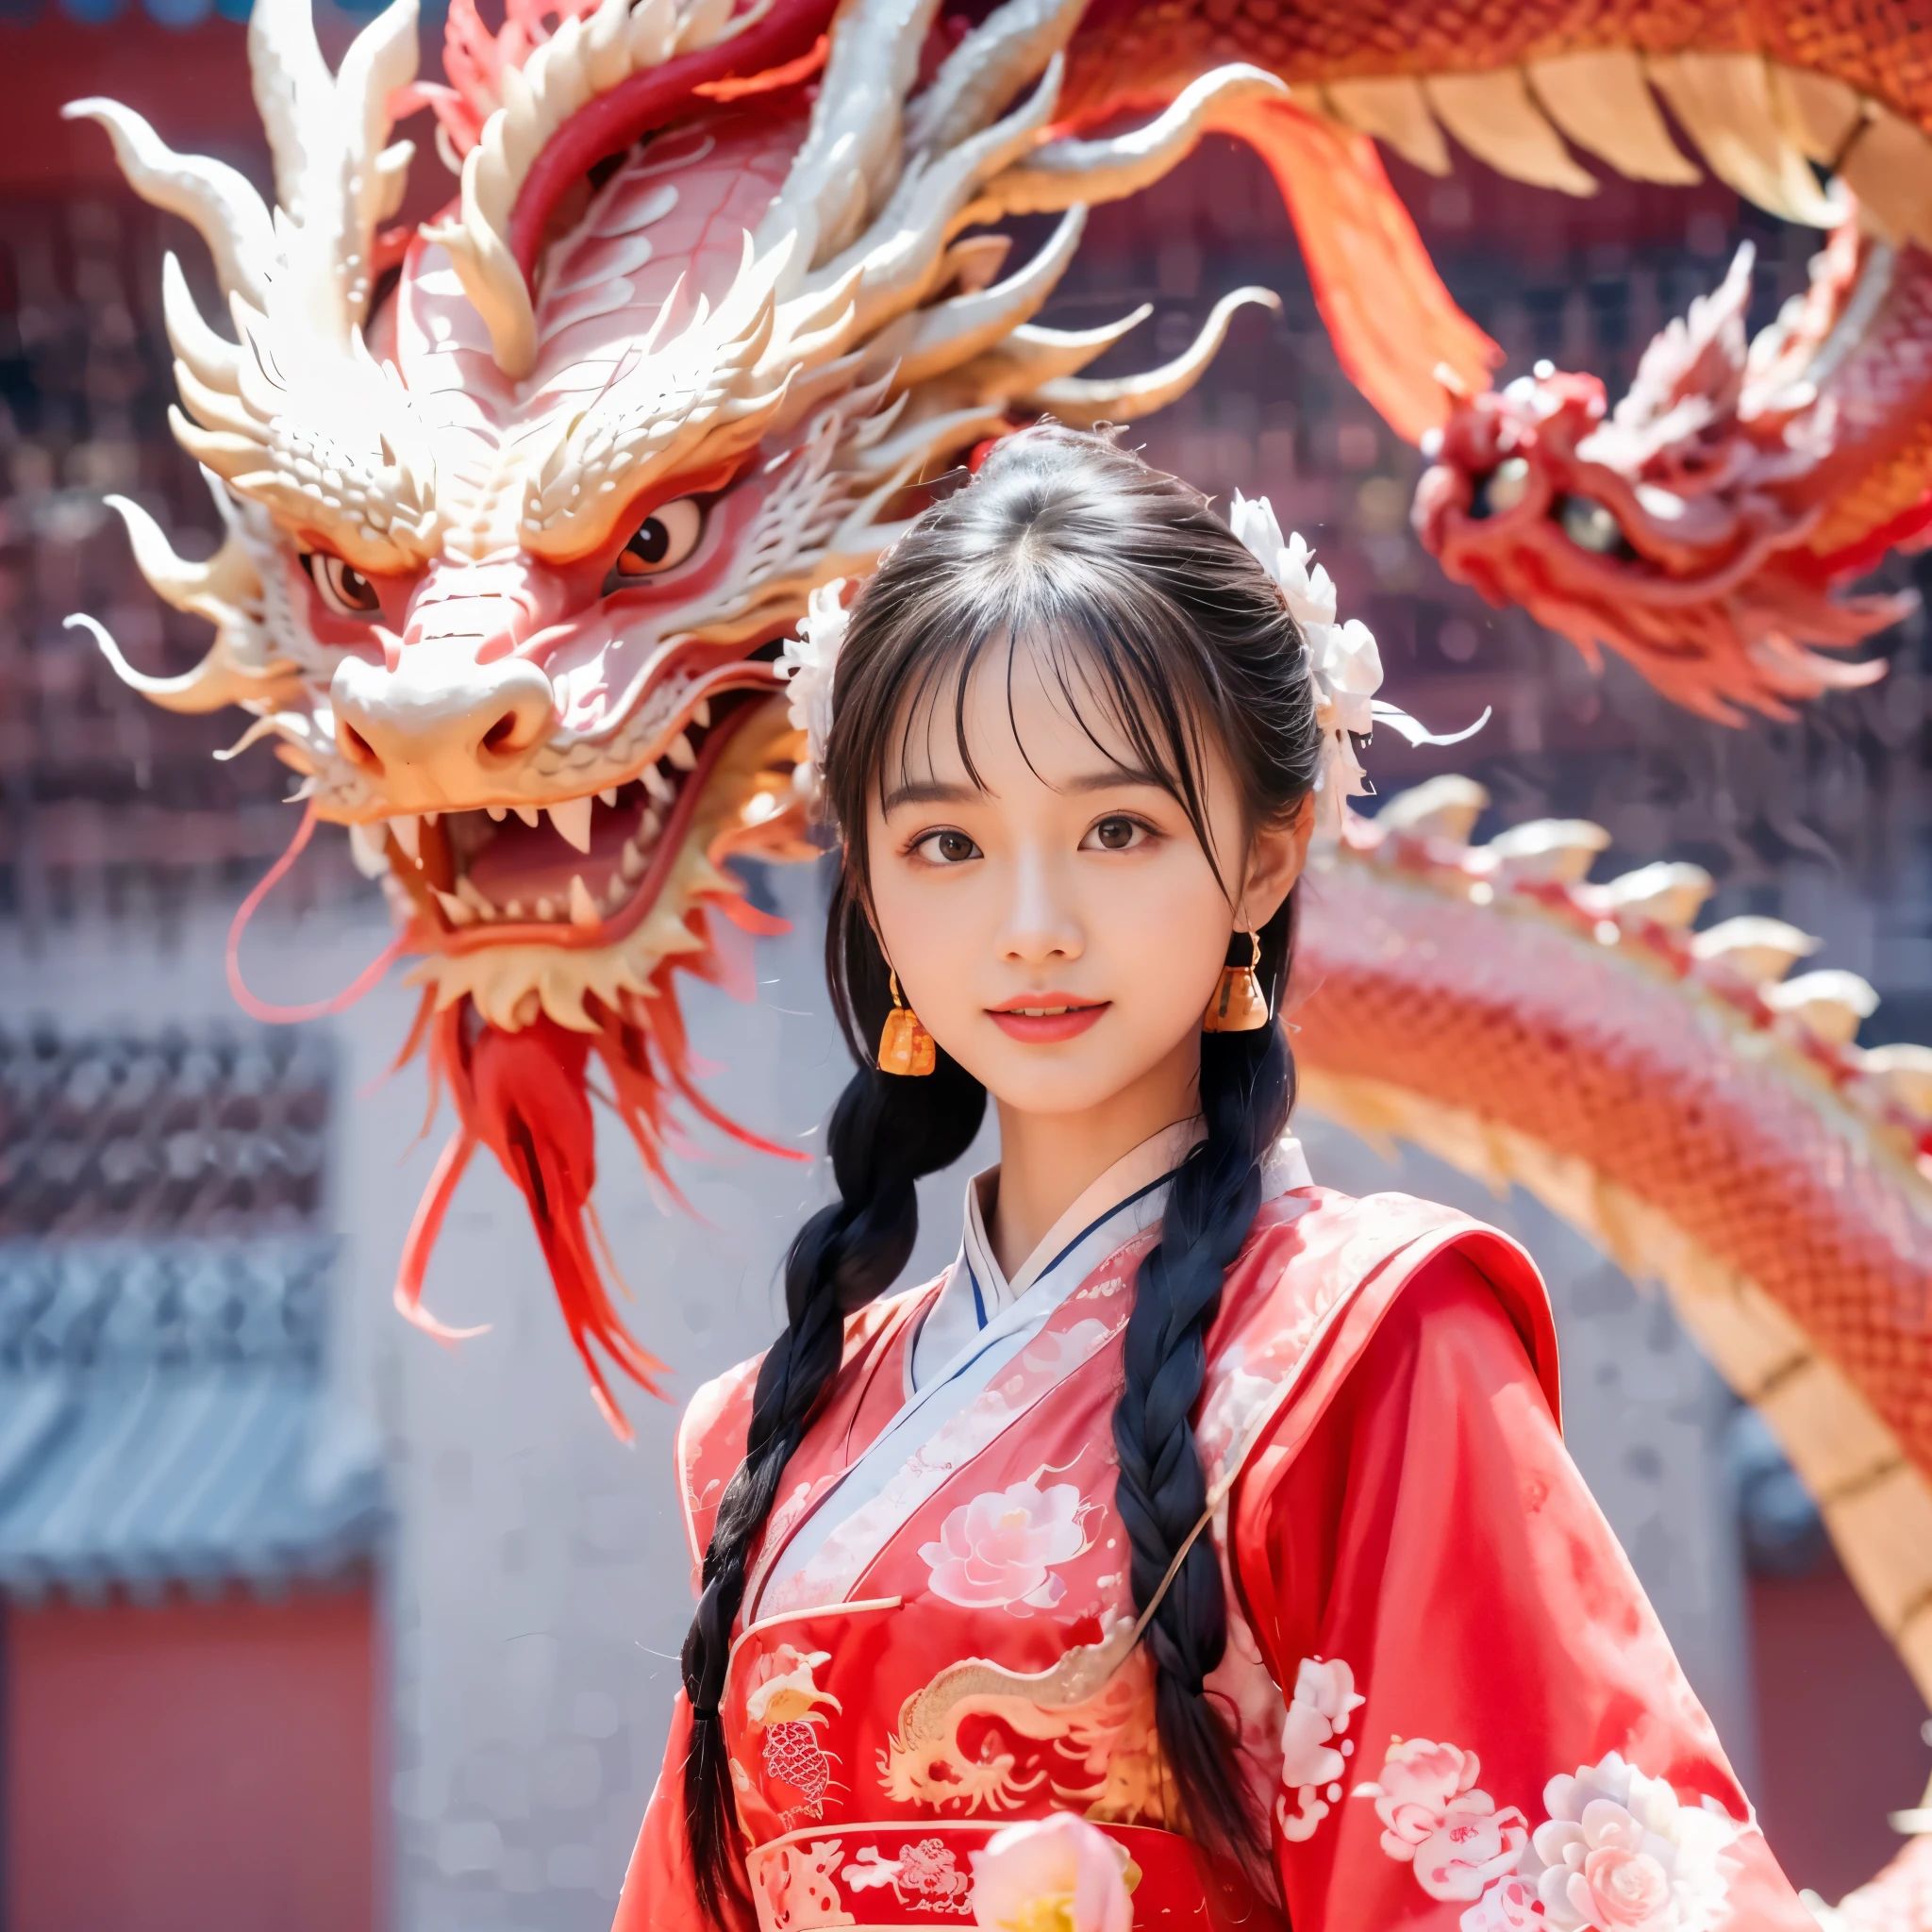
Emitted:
pixel 522 503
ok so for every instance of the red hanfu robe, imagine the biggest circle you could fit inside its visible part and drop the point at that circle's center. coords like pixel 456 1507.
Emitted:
pixel 1455 1707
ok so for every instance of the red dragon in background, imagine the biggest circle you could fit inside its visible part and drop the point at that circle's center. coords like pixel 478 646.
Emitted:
pixel 1703 526
pixel 521 506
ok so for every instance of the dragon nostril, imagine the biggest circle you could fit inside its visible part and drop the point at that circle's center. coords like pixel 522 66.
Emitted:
pixel 357 748
pixel 502 735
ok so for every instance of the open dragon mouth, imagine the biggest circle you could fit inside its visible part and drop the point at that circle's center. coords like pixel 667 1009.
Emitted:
pixel 579 870
pixel 552 936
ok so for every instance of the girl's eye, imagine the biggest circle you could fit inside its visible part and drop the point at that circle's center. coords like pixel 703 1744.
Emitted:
pixel 1114 835
pixel 663 539
pixel 343 588
pixel 946 848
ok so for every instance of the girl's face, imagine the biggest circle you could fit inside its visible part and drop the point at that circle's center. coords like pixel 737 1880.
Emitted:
pixel 1057 926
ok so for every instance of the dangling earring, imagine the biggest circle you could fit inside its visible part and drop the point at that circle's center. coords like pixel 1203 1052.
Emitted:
pixel 1239 1004
pixel 906 1047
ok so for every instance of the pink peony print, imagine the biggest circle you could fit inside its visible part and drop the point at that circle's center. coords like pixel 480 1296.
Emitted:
pixel 1433 1817
pixel 1508 1906
pixel 996 1552
pixel 1473 1844
pixel 1324 1698
pixel 1620 1853
pixel 1414 1790
pixel 1619 1888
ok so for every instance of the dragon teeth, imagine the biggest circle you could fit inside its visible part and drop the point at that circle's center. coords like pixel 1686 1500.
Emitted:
pixel 609 796
pixel 498 813
pixel 473 896
pixel 571 817
pixel 530 816
pixel 546 909
pixel 618 894
pixel 406 830
pixel 630 861
pixel 458 911
pixel 701 713
pixel 681 754
pixel 370 848
pixel 657 785
pixel 583 908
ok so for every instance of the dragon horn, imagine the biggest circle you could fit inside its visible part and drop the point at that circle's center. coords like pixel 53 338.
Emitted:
pixel 216 200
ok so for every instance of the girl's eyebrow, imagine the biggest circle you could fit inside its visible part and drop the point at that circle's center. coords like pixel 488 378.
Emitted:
pixel 932 791
pixel 936 791
pixel 1117 775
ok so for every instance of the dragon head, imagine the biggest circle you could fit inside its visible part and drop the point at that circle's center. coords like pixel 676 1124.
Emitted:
pixel 1678 528
pixel 520 506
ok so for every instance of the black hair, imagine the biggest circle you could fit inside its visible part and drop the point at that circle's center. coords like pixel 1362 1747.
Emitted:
pixel 1142 600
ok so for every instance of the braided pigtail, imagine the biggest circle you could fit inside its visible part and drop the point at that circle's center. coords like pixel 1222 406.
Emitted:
pixel 885 1133
pixel 1247 1088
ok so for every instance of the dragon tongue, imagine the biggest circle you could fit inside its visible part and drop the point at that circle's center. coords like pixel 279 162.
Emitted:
pixel 528 865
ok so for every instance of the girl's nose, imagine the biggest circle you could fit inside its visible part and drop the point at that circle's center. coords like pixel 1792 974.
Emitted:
pixel 1041 923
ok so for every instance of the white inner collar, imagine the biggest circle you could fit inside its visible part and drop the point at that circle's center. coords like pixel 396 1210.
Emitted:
pixel 1153 1159
pixel 966 1340
pixel 976 1292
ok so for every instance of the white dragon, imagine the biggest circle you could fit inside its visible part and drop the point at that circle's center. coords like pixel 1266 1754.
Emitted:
pixel 511 542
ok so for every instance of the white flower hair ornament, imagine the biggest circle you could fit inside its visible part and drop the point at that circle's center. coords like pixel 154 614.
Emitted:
pixel 808 663
pixel 1345 666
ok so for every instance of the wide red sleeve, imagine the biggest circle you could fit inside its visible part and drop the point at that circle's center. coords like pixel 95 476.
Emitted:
pixel 1487 1728
pixel 660 1894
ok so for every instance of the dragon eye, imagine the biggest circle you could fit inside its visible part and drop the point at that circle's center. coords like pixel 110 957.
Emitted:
pixel 343 588
pixel 663 539
pixel 1503 489
pixel 1590 526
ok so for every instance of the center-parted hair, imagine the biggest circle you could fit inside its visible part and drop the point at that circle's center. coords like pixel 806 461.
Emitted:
pixel 1142 604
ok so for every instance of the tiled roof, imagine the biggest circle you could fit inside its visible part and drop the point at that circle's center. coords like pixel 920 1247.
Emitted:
pixel 163 1419
pixel 214 1134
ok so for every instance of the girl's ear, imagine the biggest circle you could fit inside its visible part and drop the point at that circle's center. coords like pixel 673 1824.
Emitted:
pixel 1276 860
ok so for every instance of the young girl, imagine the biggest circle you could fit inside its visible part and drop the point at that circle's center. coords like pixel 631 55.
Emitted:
pixel 1215 1508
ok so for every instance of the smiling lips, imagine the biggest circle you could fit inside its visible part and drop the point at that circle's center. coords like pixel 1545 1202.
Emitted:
pixel 1042 1017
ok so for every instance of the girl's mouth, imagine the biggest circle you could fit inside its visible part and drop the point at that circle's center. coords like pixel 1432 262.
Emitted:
pixel 1040 1019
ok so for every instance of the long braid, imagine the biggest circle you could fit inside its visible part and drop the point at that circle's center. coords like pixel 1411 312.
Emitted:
pixel 1247 1088
pixel 885 1133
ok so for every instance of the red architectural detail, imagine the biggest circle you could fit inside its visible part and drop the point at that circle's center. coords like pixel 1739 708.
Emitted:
pixel 181 1766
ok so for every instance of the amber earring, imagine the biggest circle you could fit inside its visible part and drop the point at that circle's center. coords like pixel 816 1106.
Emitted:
pixel 906 1046
pixel 1239 1004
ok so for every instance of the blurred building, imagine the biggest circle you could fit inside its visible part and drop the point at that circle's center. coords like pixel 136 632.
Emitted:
pixel 322 1619
pixel 189 1528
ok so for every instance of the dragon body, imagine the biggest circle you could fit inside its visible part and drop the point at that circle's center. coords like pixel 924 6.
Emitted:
pixel 1673 1093
pixel 520 505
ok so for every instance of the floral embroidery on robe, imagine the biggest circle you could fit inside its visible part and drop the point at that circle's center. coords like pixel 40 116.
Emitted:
pixel 1455 1708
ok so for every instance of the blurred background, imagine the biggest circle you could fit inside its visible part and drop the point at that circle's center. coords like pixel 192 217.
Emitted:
pixel 308 1622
